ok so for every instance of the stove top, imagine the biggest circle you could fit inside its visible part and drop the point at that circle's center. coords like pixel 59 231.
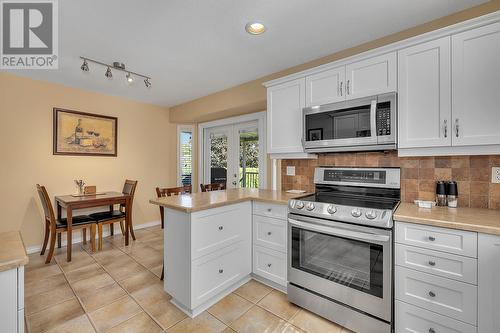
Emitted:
pixel 365 196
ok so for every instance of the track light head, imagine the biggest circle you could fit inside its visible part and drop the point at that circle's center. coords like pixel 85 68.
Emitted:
pixel 129 77
pixel 85 66
pixel 147 83
pixel 108 74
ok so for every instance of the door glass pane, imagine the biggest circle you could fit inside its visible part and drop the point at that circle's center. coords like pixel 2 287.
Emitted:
pixel 186 157
pixel 353 263
pixel 218 158
pixel 345 124
pixel 249 157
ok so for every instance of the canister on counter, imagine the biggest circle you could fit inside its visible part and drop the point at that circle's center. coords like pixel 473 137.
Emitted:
pixel 452 194
pixel 440 193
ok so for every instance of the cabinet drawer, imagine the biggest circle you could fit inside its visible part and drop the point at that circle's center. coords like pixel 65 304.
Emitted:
pixel 444 296
pixel 269 232
pixel 270 264
pixel 217 271
pixel 270 210
pixel 412 319
pixel 438 263
pixel 216 228
pixel 447 240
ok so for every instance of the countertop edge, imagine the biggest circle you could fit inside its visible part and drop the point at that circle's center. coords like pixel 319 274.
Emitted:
pixel 17 262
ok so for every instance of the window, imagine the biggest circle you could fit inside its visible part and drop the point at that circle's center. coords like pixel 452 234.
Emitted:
pixel 185 155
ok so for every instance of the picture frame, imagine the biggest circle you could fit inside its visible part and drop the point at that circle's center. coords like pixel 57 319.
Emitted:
pixel 315 134
pixel 84 134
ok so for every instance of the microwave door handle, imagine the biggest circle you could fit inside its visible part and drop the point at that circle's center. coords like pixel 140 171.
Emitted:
pixel 373 119
pixel 365 236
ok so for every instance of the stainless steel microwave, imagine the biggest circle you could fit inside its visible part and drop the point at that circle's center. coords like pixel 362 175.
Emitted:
pixel 362 124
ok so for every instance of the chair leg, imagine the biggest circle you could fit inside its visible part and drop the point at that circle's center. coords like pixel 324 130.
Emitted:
pixel 92 237
pixel 122 227
pixel 99 232
pixel 131 230
pixel 112 229
pixel 52 246
pixel 59 240
pixel 45 238
pixel 84 235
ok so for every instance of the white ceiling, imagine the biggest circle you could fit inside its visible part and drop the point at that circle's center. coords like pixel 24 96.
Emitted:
pixel 192 48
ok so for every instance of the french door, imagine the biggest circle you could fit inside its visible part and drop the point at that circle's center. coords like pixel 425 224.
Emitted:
pixel 232 154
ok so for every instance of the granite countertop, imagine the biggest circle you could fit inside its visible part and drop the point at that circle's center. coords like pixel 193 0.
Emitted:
pixel 469 219
pixel 12 251
pixel 205 200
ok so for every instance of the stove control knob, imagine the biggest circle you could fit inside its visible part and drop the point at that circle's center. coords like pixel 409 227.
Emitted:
pixel 299 205
pixel 331 209
pixel 356 212
pixel 310 206
pixel 371 214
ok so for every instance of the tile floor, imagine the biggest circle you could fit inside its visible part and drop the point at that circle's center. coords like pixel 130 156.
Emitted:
pixel 118 290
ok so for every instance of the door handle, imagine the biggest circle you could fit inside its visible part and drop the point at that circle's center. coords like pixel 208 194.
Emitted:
pixel 234 182
pixel 341 83
pixel 446 128
pixel 456 128
pixel 348 90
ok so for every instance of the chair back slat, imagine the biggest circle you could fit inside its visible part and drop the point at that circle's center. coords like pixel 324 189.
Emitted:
pixel 169 191
pixel 48 210
pixel 212 187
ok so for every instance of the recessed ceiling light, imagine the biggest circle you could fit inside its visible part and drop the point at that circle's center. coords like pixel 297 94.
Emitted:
pixel 255 28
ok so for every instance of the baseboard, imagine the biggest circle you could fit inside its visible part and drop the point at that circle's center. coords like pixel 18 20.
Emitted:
pixel 77 236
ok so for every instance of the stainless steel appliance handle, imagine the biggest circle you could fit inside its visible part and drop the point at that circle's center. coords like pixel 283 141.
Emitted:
pixel 340 232
pixel 373 119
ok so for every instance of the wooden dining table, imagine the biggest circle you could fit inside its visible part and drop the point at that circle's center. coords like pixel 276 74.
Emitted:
pixel 71 203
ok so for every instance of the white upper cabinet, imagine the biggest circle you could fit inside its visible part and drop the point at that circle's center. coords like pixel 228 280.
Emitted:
pixel 424 95
pixel 476 86
pixel 326 87
pixel 372 76
pixel 284 117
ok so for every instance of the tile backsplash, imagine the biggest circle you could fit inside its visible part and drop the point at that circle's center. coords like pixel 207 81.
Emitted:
pixel 418 174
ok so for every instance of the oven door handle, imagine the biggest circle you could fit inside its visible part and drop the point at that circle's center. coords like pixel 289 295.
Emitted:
pixel 360 235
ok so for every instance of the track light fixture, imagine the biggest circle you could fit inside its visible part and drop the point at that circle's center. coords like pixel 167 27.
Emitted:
pixel 116 66
pixel 85 66
pixel 108 74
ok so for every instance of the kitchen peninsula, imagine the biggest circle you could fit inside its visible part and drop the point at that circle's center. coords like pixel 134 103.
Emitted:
pixel 209 244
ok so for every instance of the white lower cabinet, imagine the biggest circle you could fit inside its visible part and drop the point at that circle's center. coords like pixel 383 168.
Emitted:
pixel 270 242
pixel 436 278
pixel 412 319
pixel 12 300
pixel 489 283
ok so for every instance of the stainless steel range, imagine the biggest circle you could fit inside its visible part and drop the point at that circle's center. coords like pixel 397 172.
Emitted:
pixel 340 247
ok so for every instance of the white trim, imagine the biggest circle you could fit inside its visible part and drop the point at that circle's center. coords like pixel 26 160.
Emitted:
pixel 77 238
pixel 452 150
pixel 257 116
pixel 181 128
pixel 295 156
pixel 428 36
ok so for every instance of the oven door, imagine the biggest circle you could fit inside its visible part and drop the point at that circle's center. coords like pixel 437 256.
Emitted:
pixel 347 263
pixel 344 124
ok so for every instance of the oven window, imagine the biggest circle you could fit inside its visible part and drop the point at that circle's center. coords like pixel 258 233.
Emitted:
pixel 352 263
pixel 344 124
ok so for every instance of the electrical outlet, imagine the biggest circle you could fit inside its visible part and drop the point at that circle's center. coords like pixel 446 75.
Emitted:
pixel 495 175
pixel 290 171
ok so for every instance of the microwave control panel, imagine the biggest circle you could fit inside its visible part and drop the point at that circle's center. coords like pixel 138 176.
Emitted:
pixel 383 121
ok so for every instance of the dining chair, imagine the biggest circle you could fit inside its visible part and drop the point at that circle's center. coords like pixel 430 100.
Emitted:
pixel 212 187
pixel 116 216
pixel 167 192
pixel 54 226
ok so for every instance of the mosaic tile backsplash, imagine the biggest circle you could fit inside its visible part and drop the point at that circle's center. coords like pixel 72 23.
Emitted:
pixel 418 174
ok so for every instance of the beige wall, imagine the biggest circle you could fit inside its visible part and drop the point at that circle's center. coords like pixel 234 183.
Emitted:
pixel 145 151
pixel 251 96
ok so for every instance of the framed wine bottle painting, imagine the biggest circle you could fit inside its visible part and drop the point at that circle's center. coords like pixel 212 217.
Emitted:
pixel 80 133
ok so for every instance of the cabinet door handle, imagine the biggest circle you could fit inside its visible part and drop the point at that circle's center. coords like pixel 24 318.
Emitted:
pixel 221 271
pixel 432 238
pixel 269 233
pixel 446 128
pixel 269 210
pixel 221 227
pixel 432 263
pixel 348 90
pixel 432 294
pixel 341 83
pixel 269 265
pixel 456 128
pixel 431 330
